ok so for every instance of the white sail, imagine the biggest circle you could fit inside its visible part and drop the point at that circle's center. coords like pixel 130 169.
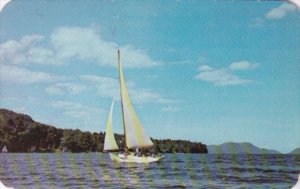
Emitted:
pixel 4 149
pixel 135 135
pixel 110 141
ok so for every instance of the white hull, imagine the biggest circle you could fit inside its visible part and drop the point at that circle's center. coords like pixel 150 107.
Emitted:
pixel 2 186
pixel 131 158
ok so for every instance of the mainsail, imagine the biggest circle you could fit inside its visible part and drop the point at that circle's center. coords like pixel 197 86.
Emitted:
pixel 110 141
pixel 135 135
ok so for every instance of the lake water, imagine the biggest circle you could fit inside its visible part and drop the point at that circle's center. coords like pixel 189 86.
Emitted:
pixel 96 170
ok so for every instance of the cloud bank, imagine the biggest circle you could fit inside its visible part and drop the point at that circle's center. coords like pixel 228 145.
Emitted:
pixel 18 75
pixel 72 43
pixel 281 11
pixel 225 76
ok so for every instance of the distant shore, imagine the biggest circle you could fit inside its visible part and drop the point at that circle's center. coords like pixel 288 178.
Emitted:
pixel 22 134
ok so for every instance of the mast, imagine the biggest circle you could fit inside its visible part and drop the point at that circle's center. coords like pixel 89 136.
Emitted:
pixel 119 65
pixel 135 135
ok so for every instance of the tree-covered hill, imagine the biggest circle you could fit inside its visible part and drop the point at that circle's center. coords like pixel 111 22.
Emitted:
pixel 20 133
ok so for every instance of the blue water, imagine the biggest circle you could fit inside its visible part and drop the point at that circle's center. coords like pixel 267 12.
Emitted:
pixel 96 170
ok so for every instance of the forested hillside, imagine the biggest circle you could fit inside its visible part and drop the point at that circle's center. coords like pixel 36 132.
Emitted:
pixel 20 133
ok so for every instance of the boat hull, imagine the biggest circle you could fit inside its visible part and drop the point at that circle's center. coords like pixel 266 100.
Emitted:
pixel 131 158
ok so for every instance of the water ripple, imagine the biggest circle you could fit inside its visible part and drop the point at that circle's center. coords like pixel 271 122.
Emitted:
pixel 96 170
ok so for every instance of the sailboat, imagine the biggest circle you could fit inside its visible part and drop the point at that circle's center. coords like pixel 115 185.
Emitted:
pixel 135 136
pixel 4 149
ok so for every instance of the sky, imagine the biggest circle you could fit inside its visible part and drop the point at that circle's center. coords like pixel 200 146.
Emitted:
pixel 206 71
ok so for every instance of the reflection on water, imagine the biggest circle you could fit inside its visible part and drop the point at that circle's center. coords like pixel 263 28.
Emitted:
pixel 96 170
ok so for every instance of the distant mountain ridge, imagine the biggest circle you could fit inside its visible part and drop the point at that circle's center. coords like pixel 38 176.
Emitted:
pixel 238 148
pixel 295 151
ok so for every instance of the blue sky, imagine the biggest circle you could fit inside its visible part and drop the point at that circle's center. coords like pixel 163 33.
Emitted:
pixel 204 71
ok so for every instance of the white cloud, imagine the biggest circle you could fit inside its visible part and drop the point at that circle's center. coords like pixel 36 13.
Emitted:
pixel 77 115
pixel 132 57
pixel 205 68
pixel 27 49
pixel 256 22
pixel 225 76
pixel 87 44
pixel 221 77
pixel 144 96
pixel 181 62
pixel 281 11
pixel 40 55
pixel 154 76
pixel 10 73
pixel 109 87
pixel 69 43
pixel 66 88
pixel 54 90
pixel 82 43
pixel 242 65
pixel 104 86
pixel 170 109
pixel 276 13
pixel 76 110
pixel 100 79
